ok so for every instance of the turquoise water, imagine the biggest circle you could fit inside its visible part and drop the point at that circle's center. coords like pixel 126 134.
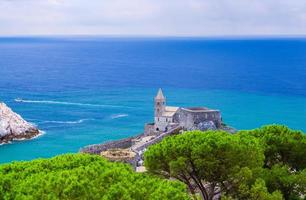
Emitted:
pixel 85 92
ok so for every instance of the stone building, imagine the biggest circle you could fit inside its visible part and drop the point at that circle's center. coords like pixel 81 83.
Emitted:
pixel 192 118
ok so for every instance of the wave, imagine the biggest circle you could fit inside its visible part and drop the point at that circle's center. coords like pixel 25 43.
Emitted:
pixel 65 122
pixel 9 142
pixel 119 116
pixel 40 134
pixel 19 100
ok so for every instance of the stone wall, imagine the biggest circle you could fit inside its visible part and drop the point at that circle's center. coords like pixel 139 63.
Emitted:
pixel 149 129
pixel 117 144
pixel 190 118
pixel 174 130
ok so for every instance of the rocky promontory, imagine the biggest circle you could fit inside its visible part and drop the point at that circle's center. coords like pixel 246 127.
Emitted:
pixel 14 127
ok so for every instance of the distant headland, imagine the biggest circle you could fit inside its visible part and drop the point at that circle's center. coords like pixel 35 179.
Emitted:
pixel 14 127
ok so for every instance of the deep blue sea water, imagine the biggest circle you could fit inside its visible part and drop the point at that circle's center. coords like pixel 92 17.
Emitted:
pixel 84 90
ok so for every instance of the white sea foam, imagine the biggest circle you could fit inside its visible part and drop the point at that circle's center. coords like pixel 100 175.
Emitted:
pixel 40 134
pixel 116 116
pixel 5 143
pixel 65 103
pixel 65 122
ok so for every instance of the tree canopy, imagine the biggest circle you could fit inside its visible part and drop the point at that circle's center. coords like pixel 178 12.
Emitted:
pixel 282 146
pixel 81 176
pixel 265 163
pixel 206 161
pixel 285 159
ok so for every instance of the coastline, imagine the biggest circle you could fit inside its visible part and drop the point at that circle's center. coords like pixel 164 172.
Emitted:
pixel 10 139
pixel 14 127
pixel 32 138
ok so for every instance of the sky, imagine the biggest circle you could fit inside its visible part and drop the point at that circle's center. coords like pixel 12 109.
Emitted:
pixel 153 17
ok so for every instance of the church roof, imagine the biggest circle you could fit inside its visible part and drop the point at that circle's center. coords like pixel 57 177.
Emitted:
pixel 160 94
pixel 170 111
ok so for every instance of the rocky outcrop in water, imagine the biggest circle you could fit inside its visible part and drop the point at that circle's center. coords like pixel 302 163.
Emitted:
pixel 14 127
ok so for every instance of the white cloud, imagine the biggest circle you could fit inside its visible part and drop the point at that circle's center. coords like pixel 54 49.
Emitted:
pixel 153 17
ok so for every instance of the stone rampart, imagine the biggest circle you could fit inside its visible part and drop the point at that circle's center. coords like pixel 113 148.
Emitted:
pixel 117 144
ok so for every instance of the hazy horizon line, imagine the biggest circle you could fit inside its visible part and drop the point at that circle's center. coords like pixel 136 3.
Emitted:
pixel 154 36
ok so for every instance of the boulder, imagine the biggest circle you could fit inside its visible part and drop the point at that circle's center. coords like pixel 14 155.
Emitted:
pixel 14 127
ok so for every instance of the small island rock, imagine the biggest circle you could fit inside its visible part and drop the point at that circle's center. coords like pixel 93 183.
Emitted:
pixel 14 127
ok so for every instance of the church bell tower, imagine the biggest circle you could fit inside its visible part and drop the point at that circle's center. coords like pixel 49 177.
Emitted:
pixel 160 104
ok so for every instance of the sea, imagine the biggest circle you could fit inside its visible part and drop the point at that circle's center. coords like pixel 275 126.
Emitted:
pixel 88 90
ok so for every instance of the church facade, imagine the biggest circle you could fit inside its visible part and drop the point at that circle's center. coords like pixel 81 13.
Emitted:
pixel 191 118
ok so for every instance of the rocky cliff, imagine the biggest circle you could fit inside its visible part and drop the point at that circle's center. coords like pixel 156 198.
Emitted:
pixel 14 127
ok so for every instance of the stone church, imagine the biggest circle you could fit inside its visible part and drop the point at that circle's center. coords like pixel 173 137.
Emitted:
pixel 191 118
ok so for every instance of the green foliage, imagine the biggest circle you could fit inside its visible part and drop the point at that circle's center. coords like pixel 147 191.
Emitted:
pixel 282 146
pixel 285 159
pixel 213 158
pixel 257 191
pixel 265 163
pixel 262 164
pixel 291 184
pixel 80 176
